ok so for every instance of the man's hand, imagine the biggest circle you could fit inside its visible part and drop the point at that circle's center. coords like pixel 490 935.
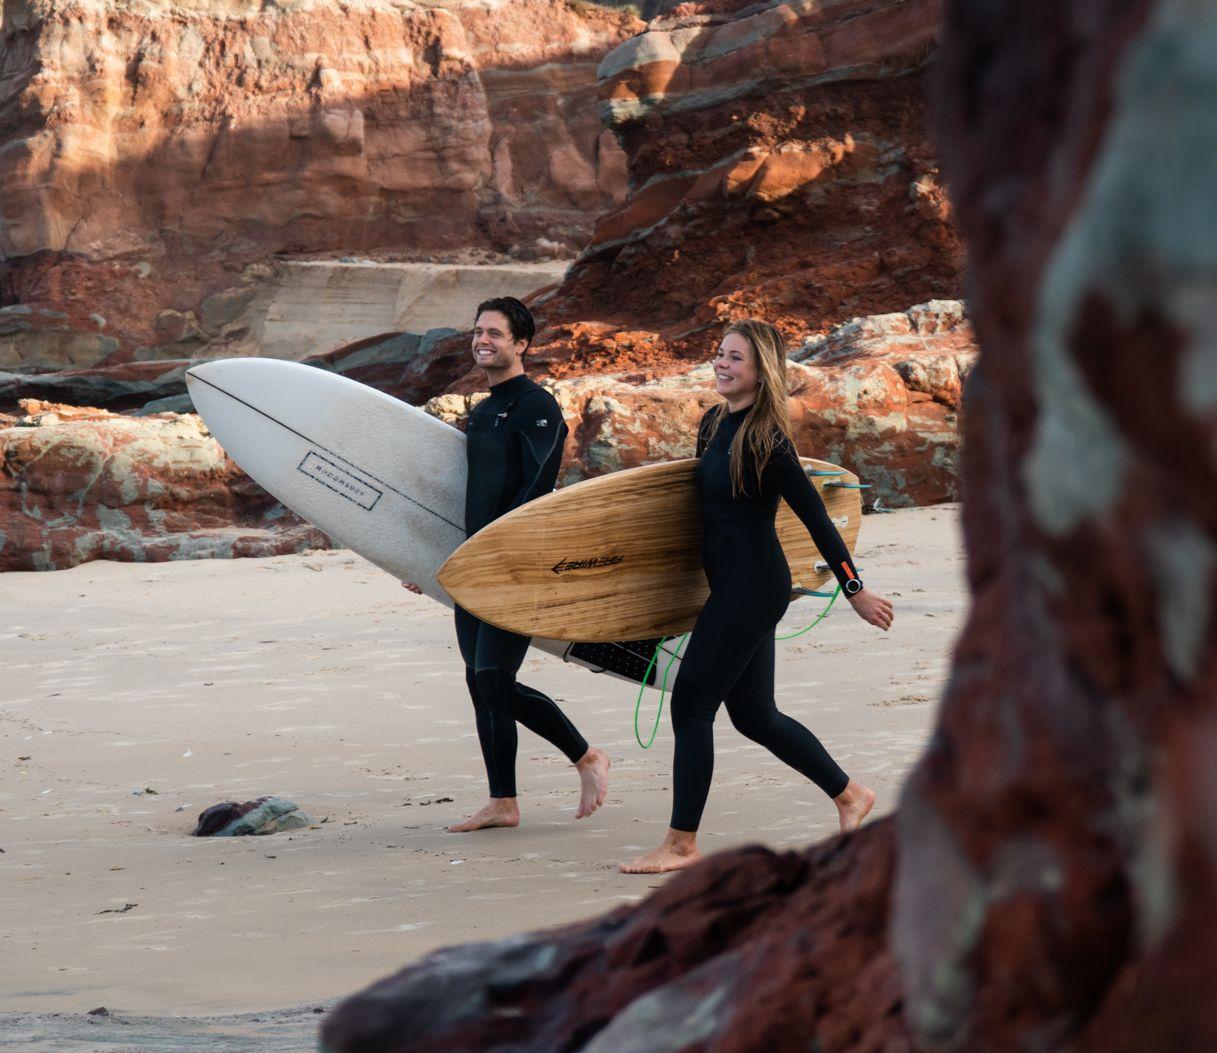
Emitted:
pixel 873 608
pixel 415 589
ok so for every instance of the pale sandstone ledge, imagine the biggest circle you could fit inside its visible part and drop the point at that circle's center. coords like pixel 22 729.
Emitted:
pixel 311 307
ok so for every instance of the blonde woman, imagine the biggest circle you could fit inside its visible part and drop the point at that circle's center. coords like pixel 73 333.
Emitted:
pixel 747 462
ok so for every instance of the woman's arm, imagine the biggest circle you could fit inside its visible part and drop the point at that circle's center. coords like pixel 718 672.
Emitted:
pixel 787 474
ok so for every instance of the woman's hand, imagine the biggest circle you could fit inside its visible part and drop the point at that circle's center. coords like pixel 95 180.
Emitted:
pixel 873 608
pixel 412 587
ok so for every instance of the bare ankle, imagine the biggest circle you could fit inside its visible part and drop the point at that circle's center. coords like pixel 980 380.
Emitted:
pixel 852 792
pixel 681 841
pixel 590 757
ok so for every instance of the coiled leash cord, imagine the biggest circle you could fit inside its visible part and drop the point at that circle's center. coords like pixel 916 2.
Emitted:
pixel 663 687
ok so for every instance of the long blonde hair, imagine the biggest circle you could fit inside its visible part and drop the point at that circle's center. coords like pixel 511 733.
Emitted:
pixel 768 418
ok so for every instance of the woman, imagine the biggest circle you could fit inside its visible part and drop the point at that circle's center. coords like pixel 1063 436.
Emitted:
pixel 747 462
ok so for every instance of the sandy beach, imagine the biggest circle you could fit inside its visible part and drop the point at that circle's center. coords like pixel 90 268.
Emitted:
pixel 136 695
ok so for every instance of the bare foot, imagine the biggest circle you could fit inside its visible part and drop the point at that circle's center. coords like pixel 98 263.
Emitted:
pixel 853 803
pixel 593 769
pixel 499 811
pixel 679 850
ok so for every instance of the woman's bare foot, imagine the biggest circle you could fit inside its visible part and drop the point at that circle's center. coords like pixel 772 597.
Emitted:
pixel 498 811
pixel 593 769
pixel 853 803
pixel 679 850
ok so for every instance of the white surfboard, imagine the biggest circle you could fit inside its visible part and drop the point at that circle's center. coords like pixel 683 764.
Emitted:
pixel 377 475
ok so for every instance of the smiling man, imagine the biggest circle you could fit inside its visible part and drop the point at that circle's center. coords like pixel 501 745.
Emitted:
pixel 514 449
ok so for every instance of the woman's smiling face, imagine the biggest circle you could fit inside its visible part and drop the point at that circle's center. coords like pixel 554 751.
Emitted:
pixel 735 376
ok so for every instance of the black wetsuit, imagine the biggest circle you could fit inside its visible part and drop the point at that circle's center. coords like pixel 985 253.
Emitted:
pixel 514 449
pixel 730 653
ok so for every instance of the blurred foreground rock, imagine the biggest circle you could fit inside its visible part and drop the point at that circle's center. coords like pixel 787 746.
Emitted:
pixel 703 964
pixel 1050 879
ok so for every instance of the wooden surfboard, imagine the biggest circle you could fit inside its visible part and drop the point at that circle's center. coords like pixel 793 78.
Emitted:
pixel 619 556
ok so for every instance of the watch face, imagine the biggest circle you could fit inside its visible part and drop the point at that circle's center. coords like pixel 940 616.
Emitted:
pixel 853 586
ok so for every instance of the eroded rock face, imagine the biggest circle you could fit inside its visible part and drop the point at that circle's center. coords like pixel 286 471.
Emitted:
pixel 78 484
pixel 154 153
pixel 1054 860
pixel 126 386
pixel 780 167
pixel 703 964
pixel 879 395
pixel 1060 814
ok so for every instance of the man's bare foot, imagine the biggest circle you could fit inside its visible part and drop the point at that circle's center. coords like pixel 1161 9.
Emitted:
pixel 679 850
pixel 593 769
pixel 499 811
pixel 853 803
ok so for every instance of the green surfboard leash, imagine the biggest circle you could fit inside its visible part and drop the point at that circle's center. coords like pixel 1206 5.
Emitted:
pixel 663 687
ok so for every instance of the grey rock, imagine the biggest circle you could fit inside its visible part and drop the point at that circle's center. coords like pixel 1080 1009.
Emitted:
pixel 225 307
pixel 273 815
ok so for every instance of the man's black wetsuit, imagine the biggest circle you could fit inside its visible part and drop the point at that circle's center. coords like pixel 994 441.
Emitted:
pixel 514 448
pixel 730 653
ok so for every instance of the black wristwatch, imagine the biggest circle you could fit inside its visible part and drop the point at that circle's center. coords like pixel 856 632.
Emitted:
pixel 852 587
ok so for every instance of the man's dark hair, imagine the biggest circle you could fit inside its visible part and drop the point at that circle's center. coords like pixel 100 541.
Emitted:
pixel 519 317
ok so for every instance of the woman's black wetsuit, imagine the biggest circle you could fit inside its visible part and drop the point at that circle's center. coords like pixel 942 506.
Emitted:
pixel 514 449
pixel 730 653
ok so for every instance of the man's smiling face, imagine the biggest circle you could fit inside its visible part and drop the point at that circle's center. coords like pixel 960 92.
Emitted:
pixel 494 348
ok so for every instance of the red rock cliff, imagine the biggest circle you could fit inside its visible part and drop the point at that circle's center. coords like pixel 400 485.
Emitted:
pixel 780 166
pixel 150 151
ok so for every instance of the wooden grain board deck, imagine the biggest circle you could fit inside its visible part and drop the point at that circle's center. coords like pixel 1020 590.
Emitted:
pixel 617 556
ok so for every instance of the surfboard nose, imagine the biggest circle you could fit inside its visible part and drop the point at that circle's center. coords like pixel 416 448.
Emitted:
pixel 209 371
pixel 199 376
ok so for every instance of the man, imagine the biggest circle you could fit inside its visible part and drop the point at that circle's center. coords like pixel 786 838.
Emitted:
pixel 514 449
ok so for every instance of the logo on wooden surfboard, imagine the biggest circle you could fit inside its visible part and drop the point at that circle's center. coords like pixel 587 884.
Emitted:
pixel 341 480
pixel 592 562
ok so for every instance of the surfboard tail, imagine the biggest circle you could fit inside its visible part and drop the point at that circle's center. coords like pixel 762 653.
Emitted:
pixel 628 659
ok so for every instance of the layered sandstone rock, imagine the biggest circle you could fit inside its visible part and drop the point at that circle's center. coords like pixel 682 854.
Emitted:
pixel 780 167
pixel 1049 880
pixel 879 395
pixel 81 484
pixel 151 153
